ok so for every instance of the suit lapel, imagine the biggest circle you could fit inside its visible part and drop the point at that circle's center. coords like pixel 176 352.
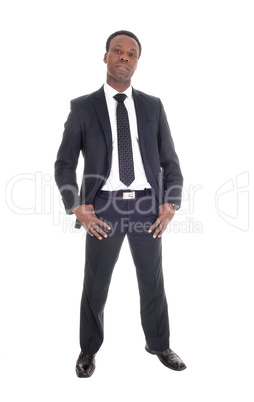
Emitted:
pixel 141 119
pixel 102 112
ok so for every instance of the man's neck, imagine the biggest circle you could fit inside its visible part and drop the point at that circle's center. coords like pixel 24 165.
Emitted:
pixel 119 86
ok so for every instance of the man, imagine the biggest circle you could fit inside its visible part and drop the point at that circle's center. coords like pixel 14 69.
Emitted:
pixel 131 187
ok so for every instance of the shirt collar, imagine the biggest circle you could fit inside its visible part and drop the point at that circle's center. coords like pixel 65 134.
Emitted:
pixel 110 92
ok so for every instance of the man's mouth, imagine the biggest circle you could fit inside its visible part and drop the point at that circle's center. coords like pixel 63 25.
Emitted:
pixel 122 67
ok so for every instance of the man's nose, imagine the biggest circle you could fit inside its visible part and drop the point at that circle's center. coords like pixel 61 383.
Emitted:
pixel 124 58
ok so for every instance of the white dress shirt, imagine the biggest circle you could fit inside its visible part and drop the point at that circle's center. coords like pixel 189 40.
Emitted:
pixel 113 182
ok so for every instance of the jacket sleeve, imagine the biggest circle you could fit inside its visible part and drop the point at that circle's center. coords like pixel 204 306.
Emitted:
pixel 67 161
pixel 172 179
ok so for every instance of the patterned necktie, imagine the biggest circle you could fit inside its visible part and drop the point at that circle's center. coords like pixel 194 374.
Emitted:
pixel 125 156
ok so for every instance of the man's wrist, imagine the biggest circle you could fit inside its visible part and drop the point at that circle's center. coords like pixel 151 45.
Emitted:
pixel 83 206
pixel 76 208
pixel 166 206
pixel 175 206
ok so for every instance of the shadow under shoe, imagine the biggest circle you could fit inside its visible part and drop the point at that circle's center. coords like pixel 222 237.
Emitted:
pixel 85 365
pixel 169 358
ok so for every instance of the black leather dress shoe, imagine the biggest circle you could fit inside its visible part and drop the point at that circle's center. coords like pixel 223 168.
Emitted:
pixel 169 359
pixel 85 365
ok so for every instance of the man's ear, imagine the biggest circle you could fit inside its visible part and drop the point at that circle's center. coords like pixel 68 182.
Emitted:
pixel 105 58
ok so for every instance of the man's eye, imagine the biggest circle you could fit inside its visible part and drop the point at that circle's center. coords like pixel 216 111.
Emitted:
pixel 132 55
pixel 118 51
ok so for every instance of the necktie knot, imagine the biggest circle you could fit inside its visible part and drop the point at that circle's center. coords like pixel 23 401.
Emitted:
pixel 120 97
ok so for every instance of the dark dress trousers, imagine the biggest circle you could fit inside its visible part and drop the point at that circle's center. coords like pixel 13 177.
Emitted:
pixel 88 130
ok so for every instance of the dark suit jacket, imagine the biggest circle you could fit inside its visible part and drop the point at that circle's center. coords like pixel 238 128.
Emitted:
pixel 87 129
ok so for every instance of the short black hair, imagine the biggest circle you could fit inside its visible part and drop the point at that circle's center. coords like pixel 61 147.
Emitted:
pixel 128 33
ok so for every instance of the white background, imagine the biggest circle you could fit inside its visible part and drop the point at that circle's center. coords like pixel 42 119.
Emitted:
pixel 198 58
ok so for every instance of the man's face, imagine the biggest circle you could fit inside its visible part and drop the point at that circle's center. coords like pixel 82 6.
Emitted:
pixel 121 59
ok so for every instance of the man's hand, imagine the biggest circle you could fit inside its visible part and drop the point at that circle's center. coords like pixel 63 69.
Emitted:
pixel 166 214
pixel 86 216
